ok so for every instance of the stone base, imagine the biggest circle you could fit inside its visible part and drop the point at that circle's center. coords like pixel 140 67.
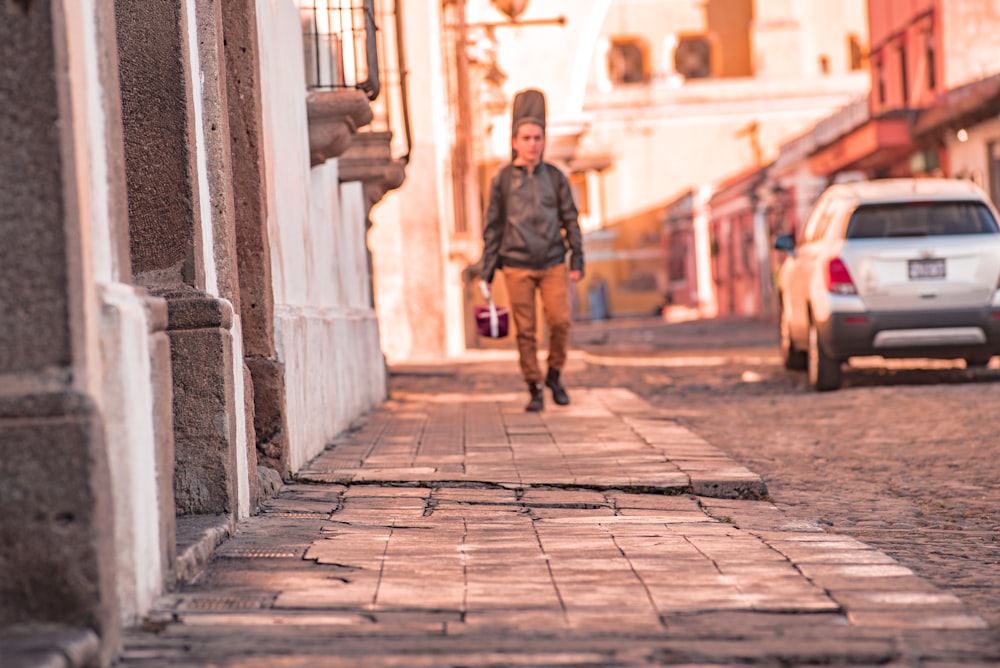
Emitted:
pixel 204 405
pixel 269 412
pixel 56 533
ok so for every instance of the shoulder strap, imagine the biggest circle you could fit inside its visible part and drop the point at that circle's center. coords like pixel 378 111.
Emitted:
pixel 505 181
pixel 554 174
pixel 505 190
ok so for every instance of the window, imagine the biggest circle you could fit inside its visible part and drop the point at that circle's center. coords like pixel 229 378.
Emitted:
pixel 879 73
pixel 855 53
pixel 930 56
pixel 627 61
pixel 677 251
pixel 919 219
pixel 693 58
pixel 904 81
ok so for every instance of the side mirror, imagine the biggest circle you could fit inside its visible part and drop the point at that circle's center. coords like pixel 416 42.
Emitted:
pixel 784 242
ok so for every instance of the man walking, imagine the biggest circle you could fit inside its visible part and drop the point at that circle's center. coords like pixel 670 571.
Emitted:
pixel 531 222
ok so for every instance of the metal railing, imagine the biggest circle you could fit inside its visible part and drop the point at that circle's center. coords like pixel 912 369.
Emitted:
pixel 340 45
pixel 392 110
pixel 359 44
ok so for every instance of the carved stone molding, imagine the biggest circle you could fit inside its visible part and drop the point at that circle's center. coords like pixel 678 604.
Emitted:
pixel 334 118
pixel 369 159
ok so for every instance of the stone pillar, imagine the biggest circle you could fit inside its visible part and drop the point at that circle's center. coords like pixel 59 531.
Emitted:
pixel 56 533
pixel 219 168
pixel 256 304
pixel 173 246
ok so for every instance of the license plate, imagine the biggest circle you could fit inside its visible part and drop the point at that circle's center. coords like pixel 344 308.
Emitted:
pixel 920 269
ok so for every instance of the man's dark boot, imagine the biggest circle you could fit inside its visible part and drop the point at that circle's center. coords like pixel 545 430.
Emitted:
pixel 558 391
pixel 537 402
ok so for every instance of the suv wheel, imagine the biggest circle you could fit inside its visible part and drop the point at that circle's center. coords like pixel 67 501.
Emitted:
pixel 793 358
pixel 824 371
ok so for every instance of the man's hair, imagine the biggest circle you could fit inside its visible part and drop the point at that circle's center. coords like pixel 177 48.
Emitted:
pixel 527 119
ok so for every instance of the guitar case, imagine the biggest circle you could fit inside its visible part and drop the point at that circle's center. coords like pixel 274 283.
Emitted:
pixel 528 103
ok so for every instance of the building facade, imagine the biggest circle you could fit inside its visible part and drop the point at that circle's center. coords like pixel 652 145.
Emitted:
pixel 186 295
pixel 931 111
pixel 725 86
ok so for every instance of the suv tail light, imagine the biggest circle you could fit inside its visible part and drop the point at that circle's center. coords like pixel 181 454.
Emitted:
pixel 838 279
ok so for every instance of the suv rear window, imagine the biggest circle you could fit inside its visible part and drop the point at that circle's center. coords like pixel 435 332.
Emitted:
pixel 920 219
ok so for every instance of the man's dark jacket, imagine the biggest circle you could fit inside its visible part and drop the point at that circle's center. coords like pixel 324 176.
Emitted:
pixel 531 221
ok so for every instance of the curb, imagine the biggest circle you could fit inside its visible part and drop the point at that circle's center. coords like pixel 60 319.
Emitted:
pixel 48 646
pixel 197 538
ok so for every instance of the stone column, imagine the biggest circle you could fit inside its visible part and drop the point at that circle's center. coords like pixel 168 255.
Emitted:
pixel 56 533
pixel 256 305
pixel 173 247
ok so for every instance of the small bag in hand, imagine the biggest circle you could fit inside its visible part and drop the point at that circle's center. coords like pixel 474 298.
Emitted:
pixel 491 322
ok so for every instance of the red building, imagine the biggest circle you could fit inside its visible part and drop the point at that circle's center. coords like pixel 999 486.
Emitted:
pixel 920 50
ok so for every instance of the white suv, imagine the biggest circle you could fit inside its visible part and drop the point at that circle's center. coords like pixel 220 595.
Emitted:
pixel 895 268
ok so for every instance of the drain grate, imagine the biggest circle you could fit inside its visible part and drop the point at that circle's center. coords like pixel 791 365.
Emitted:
pixel 253 602
pixel 300 516
pixel 259 553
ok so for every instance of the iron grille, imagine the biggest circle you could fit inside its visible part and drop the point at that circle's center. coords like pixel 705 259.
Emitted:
pixel 391 110
pixel 340 45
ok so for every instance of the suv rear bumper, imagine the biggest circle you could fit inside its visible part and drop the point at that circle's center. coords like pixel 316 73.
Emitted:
pixel 943 334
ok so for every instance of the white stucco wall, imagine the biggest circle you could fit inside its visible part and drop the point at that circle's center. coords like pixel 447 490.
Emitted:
pixel 128 413
pixel 286 146
pixel 666 150
pixel 819 40
pixel 325 329
pixel 334 369
pixel 410 236
pixel 205 267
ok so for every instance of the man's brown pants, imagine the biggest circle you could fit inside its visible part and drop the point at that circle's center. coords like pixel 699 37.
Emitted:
pixel 553 286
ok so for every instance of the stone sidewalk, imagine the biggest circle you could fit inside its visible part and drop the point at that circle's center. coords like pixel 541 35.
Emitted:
pixel 457 530
pixel 607 439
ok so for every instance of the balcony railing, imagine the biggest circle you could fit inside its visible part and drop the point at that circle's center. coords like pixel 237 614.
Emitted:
pixel 358 44
pixel 340 45
pixel 391 110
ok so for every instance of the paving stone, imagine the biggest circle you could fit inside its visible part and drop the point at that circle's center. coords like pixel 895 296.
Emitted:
pixel 921 619
pixel 894 600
